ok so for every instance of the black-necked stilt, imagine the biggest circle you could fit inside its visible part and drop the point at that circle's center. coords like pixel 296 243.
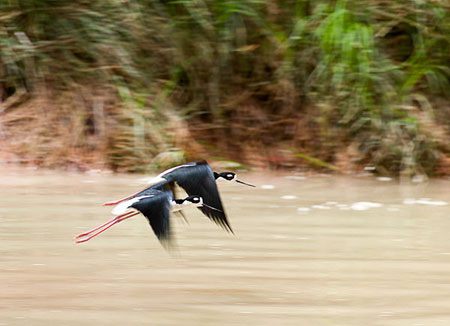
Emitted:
pixel 155 205
pixel 196 178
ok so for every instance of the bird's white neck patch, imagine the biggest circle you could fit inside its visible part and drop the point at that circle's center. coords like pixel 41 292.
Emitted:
pixel 174 206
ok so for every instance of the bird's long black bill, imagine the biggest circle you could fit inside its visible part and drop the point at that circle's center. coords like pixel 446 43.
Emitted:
pixel 244 183
pixel 210 207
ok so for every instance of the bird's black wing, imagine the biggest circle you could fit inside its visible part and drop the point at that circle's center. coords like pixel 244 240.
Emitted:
pixel 150 190
pixel 161 185
pixel 199 180
pixel 157 211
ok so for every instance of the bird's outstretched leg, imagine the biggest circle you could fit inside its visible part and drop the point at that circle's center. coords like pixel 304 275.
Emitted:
pixel 115 202
pixel 105 226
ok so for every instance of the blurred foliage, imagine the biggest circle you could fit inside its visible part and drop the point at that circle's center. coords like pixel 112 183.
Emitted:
pixel 315 76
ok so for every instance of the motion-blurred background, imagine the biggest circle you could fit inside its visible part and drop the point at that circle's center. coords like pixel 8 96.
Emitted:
pixel 142 84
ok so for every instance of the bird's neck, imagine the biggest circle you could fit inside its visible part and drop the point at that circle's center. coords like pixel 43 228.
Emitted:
pixel 179 204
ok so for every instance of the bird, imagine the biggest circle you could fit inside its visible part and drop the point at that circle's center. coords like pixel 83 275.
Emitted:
pixel 155 205
pixel 196 178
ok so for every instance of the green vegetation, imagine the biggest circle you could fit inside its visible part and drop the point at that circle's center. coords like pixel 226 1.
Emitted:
pixel 342 82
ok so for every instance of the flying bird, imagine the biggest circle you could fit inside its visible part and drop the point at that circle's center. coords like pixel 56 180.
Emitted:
pixel 155 205
pixel 196 178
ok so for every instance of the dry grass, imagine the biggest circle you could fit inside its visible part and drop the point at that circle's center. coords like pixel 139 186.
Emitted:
pixel 280 83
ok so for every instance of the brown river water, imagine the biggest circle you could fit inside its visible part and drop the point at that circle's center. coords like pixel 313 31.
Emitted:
pixel 308 250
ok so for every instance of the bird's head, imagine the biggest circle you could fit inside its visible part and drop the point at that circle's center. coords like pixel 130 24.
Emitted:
pixel 197 201
pixel 194 200
pixel 230 176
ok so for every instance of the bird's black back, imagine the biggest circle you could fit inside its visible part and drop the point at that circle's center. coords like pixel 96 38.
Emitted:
pixel 198 179
pixel 161 186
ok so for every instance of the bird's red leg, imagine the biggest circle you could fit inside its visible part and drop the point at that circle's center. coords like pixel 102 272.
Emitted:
pixel 110 203
pixel 100 226
pixel 104 226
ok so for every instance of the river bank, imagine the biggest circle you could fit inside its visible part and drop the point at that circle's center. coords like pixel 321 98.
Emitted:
pixel 304 252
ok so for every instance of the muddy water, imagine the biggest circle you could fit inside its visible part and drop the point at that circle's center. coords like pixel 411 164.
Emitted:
pixel 311 250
